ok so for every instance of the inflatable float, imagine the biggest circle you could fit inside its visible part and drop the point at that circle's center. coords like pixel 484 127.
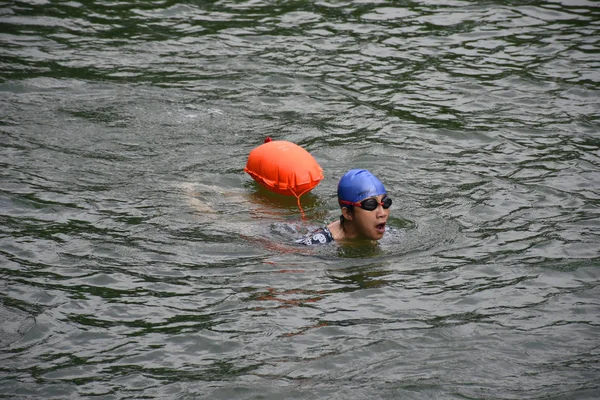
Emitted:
pixel 284 167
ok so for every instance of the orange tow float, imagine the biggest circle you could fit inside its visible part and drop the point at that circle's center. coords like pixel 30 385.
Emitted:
pixel 285 168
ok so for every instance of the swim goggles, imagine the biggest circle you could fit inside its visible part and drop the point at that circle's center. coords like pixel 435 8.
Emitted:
pixel 370 204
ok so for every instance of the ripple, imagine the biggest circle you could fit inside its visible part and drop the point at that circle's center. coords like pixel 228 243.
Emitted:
pixel 138 260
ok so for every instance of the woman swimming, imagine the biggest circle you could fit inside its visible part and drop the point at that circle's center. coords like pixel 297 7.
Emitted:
pixel 365 209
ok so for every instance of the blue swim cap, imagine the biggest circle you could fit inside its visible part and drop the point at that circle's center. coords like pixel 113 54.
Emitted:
pixel 357 185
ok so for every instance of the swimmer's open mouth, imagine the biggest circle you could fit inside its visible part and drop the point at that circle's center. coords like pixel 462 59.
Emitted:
pixel 380 227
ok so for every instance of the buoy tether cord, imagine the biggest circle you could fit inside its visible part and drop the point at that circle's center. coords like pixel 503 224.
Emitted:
pixel 299 205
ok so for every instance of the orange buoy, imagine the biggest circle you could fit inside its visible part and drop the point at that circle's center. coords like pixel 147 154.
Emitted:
pixel 284 167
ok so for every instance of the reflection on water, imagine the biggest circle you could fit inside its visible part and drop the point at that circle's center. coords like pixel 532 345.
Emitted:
pixel 138 260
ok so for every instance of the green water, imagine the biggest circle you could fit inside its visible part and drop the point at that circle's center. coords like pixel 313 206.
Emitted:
pixel 138 260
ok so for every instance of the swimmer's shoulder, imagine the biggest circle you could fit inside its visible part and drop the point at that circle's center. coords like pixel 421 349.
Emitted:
pixel 318 237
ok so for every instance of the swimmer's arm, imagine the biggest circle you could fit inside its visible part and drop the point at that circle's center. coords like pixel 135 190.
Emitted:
pixel 277 247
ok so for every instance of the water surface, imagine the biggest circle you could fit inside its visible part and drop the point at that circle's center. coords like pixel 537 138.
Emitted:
pixel 138 260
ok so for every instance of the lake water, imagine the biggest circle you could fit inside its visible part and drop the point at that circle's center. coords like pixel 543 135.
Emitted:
pixel 138 260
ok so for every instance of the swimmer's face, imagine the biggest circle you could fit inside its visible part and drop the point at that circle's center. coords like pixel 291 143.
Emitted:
pixel 371 224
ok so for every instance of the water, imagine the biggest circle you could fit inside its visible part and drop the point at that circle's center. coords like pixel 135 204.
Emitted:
pixel 139 261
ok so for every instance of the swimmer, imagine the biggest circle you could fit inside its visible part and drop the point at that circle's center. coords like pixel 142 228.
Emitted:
pixel 365 209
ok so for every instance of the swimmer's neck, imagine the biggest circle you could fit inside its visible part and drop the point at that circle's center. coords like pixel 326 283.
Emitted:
pixel 342 233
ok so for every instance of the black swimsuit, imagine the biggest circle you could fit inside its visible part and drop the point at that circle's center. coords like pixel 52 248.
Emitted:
pixel 320 236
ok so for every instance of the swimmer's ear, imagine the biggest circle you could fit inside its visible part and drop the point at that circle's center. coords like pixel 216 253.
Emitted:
pixel 349 215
